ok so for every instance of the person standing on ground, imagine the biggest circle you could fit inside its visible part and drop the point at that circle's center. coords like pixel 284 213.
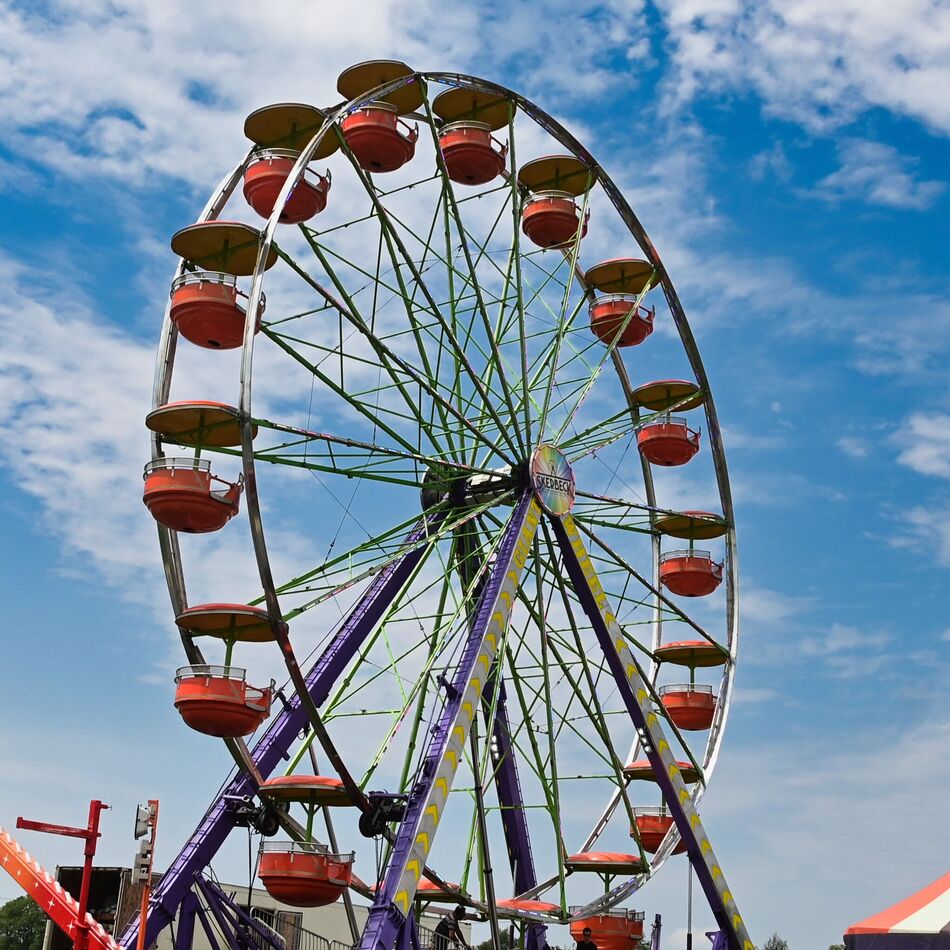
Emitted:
pixel 586 943
pixel 449 932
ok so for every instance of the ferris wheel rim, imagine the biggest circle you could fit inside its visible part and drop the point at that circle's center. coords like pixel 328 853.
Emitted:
pixel 248 457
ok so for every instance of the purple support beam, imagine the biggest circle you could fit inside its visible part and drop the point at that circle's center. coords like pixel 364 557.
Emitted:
pixel 505 768
pixel 632 688
pixel 386 923
pixel 225 926
pixel 514 820
pixel 208 929
pixel 185 934
pixel 218 820
pixel 211 890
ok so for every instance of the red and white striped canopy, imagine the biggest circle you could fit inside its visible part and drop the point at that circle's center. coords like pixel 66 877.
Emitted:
pixel 919 922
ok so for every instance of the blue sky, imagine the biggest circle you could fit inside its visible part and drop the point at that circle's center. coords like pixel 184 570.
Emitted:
pixel 790 162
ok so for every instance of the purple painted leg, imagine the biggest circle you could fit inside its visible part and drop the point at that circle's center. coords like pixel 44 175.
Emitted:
pixel 428 798
pixel 631 686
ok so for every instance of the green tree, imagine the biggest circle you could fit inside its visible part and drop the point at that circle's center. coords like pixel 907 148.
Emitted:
pixel 836 946
pixel 775 942
pixel 21 925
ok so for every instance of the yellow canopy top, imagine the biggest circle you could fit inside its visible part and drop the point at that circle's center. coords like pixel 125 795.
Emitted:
pixel 456 105
pixel 197 423
pixel 663 393
pixel 226 246
pixel 361 78
pixel 691 525
pixel 623 275
pixel 289 125
pixel 555 173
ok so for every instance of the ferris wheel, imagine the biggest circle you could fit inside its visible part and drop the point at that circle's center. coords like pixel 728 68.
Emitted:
pixel 460 368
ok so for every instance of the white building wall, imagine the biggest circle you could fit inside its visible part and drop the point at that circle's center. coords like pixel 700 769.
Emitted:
pixel 329 922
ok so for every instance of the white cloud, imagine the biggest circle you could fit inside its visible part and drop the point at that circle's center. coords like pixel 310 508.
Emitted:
pixel 853 447
pixel 927 530
pixel 753 694
pixel 764 607
pixel 924 439
pixel 771 163
pixel 846 651
pixel 815 63
pixel 879 175
pixel 190 73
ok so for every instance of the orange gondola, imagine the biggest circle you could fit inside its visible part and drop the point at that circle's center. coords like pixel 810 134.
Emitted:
pixel 470 153
pixel 553 219
pixel 209 310
pixel 667 441
pixel 550 217
pixel 266 174
pixel 690 706
pixel 217 700
pixel 303 873
pixel 374 137
pixel 618 317
pixel 612 930
pixel 690 573
pixel 180 494
pixel 652 826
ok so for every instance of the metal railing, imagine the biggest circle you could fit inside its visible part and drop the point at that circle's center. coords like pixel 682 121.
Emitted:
pixel 199 277
pixel 205 669
pixel 621 914
pixel 684 688
pixel 166 464
pixel 674 555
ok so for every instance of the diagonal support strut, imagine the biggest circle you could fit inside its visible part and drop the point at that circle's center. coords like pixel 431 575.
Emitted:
pixel 630 683
pixel 389 914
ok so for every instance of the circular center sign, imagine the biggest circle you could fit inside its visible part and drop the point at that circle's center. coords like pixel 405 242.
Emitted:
pixel 552 480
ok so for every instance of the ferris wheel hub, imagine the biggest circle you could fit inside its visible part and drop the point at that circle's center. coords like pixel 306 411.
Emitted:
pixel 552 480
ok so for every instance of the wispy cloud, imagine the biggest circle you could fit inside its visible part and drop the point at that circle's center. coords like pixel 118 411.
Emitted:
pixel 877 174
pixel 814 63
pixel 924 440
pixel 853 447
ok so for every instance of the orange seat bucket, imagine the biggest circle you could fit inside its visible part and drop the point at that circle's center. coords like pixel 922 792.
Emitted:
pixel 470 158
pixel 690 573
pixel 618 931
pixel 667 442
pixel 552 219
pixel 182 497
pixel 294 875
pixel 206 311
pixel 607 316
pixel 264 179
pixel 220 705
pixel 652 826
pixel 373 135
pixel 689 708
